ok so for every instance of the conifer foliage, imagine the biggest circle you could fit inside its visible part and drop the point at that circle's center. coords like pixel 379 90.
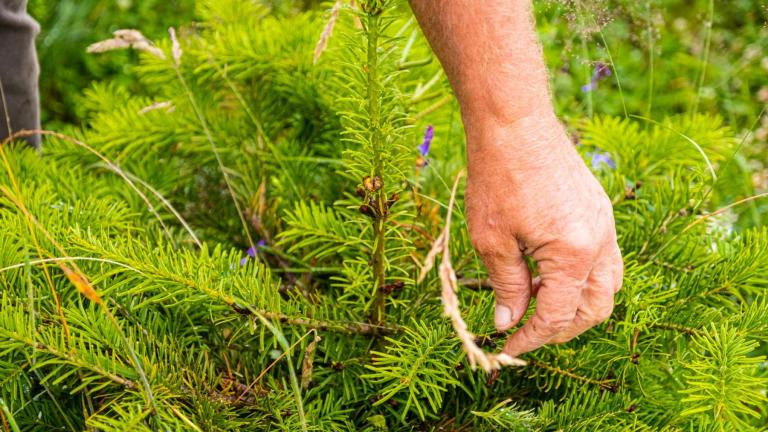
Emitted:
pixel 239 249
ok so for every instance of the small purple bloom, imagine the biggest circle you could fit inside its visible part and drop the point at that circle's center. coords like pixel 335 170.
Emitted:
pixel 602 70
pixel 429 133
pixel 598 158
pixel 586 88
pixel 251 252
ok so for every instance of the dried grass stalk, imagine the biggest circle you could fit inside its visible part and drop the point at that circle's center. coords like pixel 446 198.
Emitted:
pixel 176 49
pixel 126 38
pixel 166 105
pixel 475 355
pixel 327 31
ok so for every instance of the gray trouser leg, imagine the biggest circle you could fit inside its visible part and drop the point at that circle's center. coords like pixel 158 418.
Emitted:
pixel 18 70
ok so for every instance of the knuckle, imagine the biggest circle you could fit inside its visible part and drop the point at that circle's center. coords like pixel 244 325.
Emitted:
pixel 579 245
pixel 554 325
pixel 484 245
pixel 606 203
pixel 509 291
pixel 603 314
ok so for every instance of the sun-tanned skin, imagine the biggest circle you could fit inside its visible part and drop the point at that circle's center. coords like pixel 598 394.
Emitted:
pixel 528 192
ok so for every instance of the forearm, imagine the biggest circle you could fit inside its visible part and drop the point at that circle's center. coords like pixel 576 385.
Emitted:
pixel 491 55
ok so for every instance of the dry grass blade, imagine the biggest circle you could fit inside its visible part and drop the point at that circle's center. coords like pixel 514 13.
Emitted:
pixel 176 50
pixel 82 284
pixel 307 364
pixel 126 38
pixel 475 355
pixel 327 31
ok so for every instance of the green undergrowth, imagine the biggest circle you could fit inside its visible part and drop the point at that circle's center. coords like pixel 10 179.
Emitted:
pixel 244 144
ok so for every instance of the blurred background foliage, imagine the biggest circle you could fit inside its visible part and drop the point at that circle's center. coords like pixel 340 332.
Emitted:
pixel 69 26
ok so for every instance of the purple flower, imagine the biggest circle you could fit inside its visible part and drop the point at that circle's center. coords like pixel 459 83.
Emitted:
pixel 586 88
pixel 429 133
pixel 598 158
pixel 602 70
pixel 251 252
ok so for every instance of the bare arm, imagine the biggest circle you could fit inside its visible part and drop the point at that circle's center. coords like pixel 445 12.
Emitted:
pixel 529 192
pixel 491 54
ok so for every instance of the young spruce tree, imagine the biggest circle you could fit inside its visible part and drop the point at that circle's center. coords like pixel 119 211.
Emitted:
pixel 238 249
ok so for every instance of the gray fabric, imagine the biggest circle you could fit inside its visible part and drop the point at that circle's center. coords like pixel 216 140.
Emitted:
pixel 18 69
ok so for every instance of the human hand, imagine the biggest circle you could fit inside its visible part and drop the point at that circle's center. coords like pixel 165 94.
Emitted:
pixel 529 193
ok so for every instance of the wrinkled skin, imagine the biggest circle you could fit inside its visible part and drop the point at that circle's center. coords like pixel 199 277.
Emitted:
pixel 541 202
pixel 528 191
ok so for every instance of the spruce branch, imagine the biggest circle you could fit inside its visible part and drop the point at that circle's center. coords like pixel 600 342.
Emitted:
pixel 675 327
pixel 606 384
pixel 359 328
pixel 126 176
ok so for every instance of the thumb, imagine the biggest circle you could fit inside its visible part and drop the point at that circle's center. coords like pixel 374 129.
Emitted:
pixel 511 281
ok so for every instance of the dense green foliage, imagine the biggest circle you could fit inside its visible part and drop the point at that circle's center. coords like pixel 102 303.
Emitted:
pixel 245 142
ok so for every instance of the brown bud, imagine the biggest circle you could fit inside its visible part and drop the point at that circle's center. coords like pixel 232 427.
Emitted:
pixel 390 288
pixel 372 184
pixel 367 210
pixel 378 183
pixel 629 193
pixel 360 192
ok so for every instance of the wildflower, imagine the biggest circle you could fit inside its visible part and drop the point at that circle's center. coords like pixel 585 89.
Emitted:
pixel 586 88
pixel 251 252
pixel 598 158
pixel 429 133
pixel 602 71
pixel 421 160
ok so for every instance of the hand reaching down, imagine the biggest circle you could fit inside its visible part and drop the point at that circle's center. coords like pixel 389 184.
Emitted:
pixel 528 191
pixel 530 194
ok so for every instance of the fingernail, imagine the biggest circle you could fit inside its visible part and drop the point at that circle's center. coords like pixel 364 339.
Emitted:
pixel 502 317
